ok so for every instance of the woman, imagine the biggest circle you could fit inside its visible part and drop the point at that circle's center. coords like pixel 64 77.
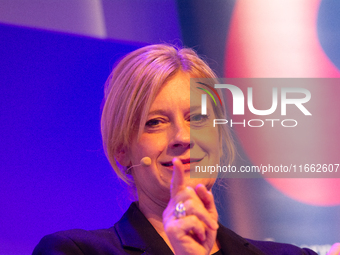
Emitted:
pixel 153 133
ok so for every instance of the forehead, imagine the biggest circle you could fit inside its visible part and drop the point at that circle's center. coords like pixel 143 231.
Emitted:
pixel 178 90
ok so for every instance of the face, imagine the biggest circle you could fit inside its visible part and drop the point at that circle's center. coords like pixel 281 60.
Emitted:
pixel 174 128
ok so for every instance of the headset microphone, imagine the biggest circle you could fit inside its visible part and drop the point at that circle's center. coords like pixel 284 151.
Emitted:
pixel 146 161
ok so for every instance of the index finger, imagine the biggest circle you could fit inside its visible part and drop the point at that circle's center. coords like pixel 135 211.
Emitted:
pixel 177 181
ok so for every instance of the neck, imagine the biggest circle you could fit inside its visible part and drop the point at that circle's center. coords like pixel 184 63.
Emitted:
pixel 153 211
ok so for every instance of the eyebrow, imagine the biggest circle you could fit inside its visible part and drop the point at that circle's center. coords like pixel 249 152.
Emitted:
pixel 194 108
pixel 155 112
pixel 163 112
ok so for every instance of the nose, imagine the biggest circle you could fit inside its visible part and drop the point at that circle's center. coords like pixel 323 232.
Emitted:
pixel 180 140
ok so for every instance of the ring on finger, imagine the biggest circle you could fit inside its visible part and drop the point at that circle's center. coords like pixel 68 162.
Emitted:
pixel 180 210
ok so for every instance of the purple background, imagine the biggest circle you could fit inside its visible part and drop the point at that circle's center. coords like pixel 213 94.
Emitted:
pixel 54 175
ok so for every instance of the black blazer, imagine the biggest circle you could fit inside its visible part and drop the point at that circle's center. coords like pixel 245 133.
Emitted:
pixel 134 234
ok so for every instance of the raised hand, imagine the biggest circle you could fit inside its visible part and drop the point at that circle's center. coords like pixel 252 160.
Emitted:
pixel 193 231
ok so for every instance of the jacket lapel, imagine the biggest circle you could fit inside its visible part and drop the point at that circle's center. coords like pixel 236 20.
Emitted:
pixel 231 243
pixel 137 233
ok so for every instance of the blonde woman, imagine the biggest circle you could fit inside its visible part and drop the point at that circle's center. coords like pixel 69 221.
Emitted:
pixel 153 133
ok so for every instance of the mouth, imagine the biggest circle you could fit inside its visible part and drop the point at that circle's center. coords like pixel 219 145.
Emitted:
pixel 184 162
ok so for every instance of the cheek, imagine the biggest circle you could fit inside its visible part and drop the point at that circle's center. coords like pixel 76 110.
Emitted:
pixel 208 136
pixel 209 141
pixel 150 145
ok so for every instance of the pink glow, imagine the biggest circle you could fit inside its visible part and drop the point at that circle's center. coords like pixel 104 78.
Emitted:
pixel 278 39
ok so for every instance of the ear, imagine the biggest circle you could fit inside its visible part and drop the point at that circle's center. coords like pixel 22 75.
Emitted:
pixel 123 158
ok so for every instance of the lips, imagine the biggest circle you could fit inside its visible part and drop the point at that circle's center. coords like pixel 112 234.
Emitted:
pixel 184 161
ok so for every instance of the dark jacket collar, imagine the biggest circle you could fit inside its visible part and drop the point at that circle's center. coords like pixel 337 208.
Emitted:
pixel 137 233
pixel 231 243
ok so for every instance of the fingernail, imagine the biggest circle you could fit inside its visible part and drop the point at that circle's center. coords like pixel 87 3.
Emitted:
pixel 174 160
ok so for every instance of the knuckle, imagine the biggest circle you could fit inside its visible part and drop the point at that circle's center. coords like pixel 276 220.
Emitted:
pixel 192 219
pixel 190 191
pixel 170 228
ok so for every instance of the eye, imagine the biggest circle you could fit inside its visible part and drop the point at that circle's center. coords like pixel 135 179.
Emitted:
pixel 198 118
pixel 153 123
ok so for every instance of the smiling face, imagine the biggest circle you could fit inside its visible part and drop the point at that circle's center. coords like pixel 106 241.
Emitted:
pixel 174 128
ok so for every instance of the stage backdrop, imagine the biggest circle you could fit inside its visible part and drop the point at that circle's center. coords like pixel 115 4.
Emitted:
pixel 54 175
pixel 277 39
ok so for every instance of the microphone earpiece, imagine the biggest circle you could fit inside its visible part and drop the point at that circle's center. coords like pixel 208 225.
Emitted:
pixel 146 161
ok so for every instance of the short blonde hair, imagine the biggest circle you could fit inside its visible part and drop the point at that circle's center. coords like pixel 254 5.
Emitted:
pixel 132 87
